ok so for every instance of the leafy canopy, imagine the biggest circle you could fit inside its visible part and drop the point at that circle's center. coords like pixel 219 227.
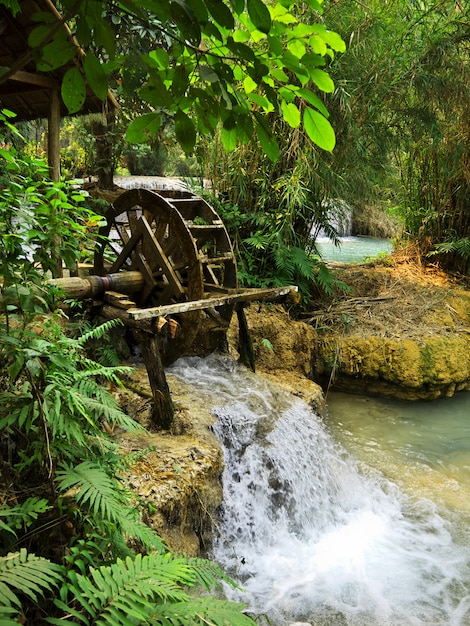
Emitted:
pixel 204 62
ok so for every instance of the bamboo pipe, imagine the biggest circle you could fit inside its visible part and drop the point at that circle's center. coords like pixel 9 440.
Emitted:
pixel 95 286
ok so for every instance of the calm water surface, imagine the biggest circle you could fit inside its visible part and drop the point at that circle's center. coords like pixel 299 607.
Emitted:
pixel 424 447
pixel 353 249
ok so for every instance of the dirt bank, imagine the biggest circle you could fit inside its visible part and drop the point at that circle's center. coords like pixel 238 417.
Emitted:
pixel 401 331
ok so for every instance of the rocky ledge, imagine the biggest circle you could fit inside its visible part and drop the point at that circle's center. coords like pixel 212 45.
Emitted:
pixel 401 331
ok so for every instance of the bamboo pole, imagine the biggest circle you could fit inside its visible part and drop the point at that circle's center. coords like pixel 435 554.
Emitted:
pixel 93 286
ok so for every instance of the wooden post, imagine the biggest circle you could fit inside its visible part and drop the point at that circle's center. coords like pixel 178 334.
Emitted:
pixel 163 411
pixel 245 345
pixel 53 131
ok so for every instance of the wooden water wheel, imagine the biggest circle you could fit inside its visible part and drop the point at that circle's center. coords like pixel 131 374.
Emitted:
pixel 180 246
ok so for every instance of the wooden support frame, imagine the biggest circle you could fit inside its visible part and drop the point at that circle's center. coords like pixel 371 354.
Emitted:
pixel 246 295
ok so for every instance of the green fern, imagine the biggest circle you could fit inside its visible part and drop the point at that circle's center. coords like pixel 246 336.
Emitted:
pixel 204 611
pixel 24 514
pixel 6 618
pixel 28 574
pixel 208 574
pixel 461 247
pixel 99 332
pixel 95 491
pixel 93 488
pixel 148 589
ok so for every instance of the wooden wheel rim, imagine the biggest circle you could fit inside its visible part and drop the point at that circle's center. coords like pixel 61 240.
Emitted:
pixel 171 232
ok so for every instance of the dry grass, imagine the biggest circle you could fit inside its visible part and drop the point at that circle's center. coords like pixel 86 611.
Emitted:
pixel 396 298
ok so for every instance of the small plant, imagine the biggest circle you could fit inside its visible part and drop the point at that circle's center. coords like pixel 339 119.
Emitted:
pixel 265 343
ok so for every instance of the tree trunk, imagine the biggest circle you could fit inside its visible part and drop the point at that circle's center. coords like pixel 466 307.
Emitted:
pixel 104 136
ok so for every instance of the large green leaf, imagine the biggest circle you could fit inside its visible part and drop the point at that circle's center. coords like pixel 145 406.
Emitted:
pixel 314 100
pixel 104 35
pixel 319 129
pixel 179 81
pixel 221 13
pixel 322 80
pixel 96 76
pixel 143 128
pixel 268 142
pixel 56 54
pixel 185 132
pixel 186 21
pixel 199 9
pixel 240 49
pixel 38 35
pixel 73 90
pixel 291 114
pixel 259 15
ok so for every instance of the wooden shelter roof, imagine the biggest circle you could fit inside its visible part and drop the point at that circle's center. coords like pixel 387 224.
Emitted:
pixel 27 91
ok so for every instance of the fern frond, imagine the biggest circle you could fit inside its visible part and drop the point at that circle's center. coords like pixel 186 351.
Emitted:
pixel 131 588
pixel 5 616
pixel 101 494
pixel 208 574
pixel 97 490
pixel 457 246
pixel 24 514
pixel 98 332
pixel 96 369
pixel 284 262
pixel 204 611
pixel 131 526
pixel 101 404
pixel 27 573
pixel 325 279
pixel 303 263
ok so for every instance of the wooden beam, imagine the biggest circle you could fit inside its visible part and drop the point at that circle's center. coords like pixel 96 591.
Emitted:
pixel 247 295
pixel 163 409
pixel 37 80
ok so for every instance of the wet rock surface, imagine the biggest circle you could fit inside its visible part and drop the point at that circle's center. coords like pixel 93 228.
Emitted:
pixel 175 473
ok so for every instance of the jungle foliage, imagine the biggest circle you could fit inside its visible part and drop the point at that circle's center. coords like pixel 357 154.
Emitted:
pixel 204 62
pixel 402 117
pixel 400 110
pixel 73 548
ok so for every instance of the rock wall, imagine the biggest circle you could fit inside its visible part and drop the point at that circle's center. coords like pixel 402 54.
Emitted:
pixel 400 354
pixel 177 473
pixel 284 350
pixel 409 369
pixel 402 331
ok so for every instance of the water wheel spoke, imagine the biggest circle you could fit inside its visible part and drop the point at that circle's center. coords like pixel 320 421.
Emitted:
pixel 124 231
pixel 157 258
pixel 124 255
pixel 161 229
pixel 209 275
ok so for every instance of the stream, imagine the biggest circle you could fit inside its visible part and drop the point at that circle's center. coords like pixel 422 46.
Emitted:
pixel 359 518
pixel 353 249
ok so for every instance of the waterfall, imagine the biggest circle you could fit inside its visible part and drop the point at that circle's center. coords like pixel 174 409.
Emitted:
pixel 150 182
pixel 340 216
pixel 310 534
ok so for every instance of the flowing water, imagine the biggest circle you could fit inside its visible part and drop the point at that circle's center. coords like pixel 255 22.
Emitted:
pixel 316 526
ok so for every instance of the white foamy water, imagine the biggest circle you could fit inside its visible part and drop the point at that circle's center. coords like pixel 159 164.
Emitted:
pixel 309 534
